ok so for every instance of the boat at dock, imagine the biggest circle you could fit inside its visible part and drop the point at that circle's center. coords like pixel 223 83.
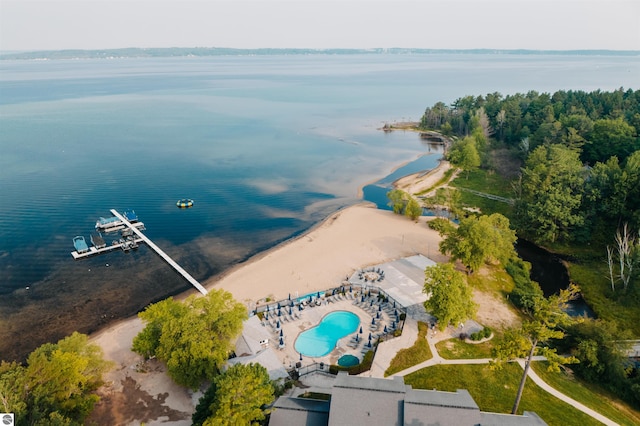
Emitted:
pixel 80 244
pixel 127 243
pixel 97 241
pixel 112 224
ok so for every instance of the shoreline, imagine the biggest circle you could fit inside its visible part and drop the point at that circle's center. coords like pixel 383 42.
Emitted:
pixel 321 257
pixel 214 281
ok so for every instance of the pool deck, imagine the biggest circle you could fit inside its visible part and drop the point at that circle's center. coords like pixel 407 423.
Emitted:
pixel 293 325
pixel 401 279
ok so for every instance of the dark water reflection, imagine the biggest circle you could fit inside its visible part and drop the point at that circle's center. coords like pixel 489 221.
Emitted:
pixel 548 270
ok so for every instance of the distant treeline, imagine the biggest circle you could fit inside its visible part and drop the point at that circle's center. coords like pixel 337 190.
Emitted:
pixel 135 52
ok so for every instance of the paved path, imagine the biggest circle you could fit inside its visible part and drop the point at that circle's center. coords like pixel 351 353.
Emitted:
pixel 382 364
pixel 387 350
pixel 538 381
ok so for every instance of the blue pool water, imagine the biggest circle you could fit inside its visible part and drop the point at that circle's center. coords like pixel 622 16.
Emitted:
pixel 321 339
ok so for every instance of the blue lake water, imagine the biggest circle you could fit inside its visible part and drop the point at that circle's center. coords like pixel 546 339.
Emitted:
pixel 267 146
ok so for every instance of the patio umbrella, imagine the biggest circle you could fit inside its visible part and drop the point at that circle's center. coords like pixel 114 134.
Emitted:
pixel 394 303
pixel 290 311
pixel 396 312
pixel 281 333
pixel 362 299
pixel 371 304
pixel 333 292
pixel 395 324
pixel 373 321
pixel 357 338
pixel 289 296
pixel 281 342
pixel 385 329
pixel 292 304
pixel 377 315
pixel 379 308
pixel 350 289
pixel 360 329
pixel 278 305
pixel 279 313
pixel 299 307
pixel 318 296
pixel 266 316
pixel 300 357
pixel 278 324
pixel 310 299
pixel 370 336
pixel 369 344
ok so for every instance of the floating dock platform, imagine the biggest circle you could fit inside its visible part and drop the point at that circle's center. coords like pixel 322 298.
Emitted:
pixel 135 237
pixel 124 245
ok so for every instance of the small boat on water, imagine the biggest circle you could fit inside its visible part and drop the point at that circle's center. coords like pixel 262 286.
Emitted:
pixel 185 203
pixel 80 244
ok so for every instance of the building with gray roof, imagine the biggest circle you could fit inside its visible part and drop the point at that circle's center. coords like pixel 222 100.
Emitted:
pixel 364 400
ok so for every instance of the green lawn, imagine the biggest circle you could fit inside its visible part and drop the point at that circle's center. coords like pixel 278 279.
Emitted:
pixel 583 392
pixel 492 279
pixel 484 181
pixel 495 391
pixel 458 349
pixel 416 354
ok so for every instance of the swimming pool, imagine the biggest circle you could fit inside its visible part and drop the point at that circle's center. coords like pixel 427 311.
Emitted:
pixel 321 339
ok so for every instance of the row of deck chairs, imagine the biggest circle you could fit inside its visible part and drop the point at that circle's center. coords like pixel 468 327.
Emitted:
pixel 339 297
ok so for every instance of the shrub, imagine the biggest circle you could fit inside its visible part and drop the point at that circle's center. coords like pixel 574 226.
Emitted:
pixel 525 291
pixel 441 225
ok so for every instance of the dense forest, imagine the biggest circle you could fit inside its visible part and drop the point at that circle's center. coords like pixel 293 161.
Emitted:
pixel 571 163
pixel 581 175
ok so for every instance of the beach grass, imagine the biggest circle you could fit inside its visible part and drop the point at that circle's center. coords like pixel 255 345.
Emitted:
pixel 442 181
pixel 416 354
pixel 588 394
pixel 495 391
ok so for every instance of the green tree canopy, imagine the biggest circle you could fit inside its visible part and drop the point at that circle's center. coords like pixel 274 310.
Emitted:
pixel 193 338
pixel 237 397
pixel 413 209
pixel 450 298
pixel 57 385
pixel 551 188
pixel 610 137
pixel 480 239
pixel 398 200
pixel 464 154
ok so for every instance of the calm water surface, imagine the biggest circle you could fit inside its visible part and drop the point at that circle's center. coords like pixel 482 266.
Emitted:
pixel 265 145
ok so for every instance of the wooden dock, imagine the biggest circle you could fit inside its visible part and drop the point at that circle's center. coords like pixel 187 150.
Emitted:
pixel 94 251
pixel 161 253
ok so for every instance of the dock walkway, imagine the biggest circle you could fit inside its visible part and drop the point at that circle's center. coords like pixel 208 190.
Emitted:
pixel 161 253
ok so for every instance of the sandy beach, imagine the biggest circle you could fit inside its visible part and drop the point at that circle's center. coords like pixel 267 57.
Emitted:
pixel 323 257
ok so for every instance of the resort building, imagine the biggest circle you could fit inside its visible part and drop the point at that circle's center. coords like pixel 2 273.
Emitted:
pixel 371 401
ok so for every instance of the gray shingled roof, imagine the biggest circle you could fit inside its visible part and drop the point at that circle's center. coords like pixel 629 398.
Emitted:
pixel 289 411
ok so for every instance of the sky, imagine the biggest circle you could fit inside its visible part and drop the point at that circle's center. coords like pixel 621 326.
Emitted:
pixel 319 24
